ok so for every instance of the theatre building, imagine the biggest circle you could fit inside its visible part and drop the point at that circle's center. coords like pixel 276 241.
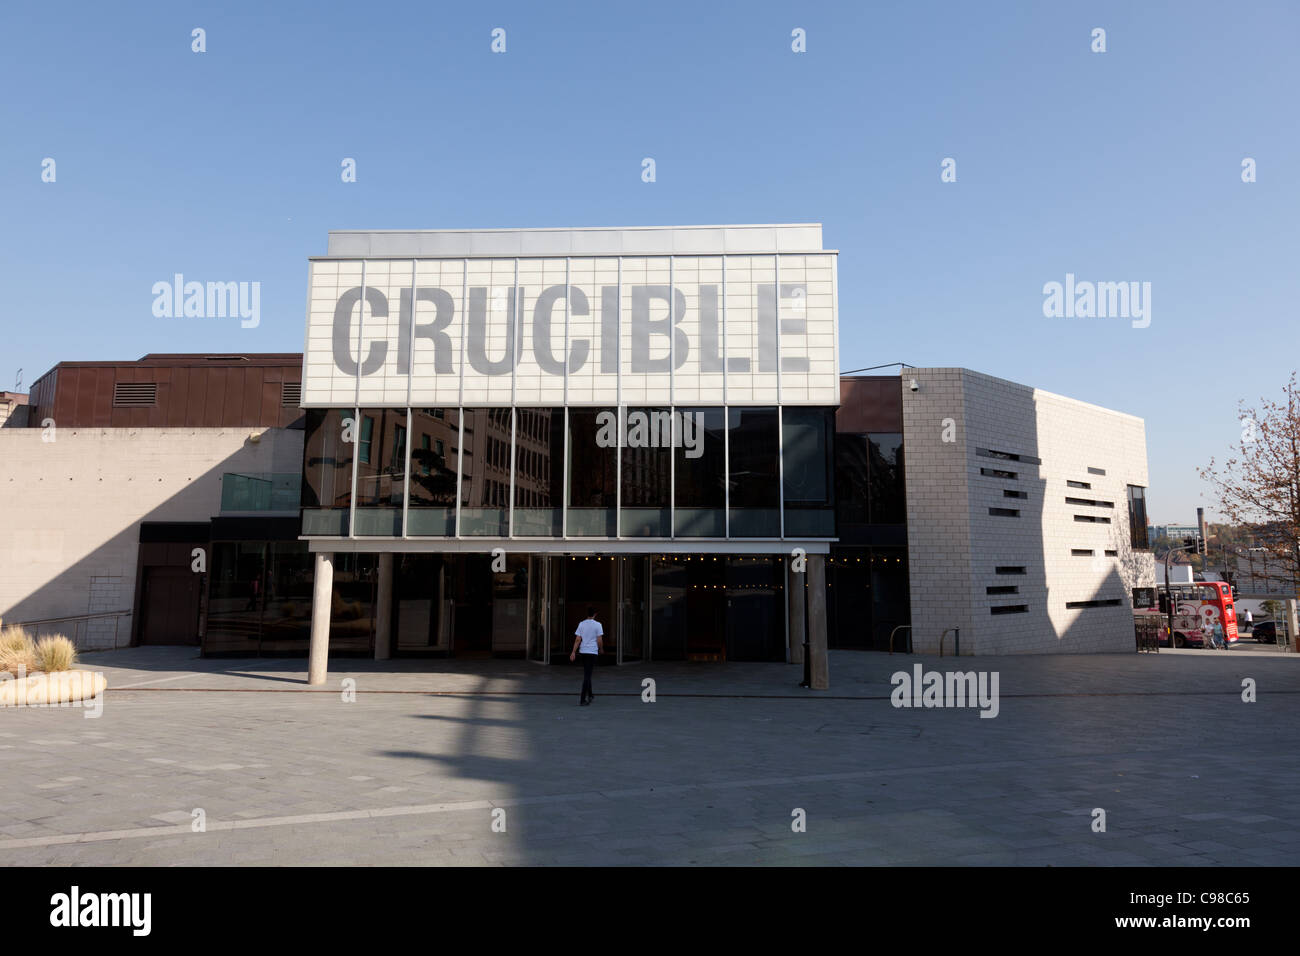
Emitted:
pixel 504 428
pixel 490 431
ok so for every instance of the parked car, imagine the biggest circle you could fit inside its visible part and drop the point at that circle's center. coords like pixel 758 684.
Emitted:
pixel 1266 632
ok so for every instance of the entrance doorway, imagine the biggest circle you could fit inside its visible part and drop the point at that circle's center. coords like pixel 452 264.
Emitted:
pixel 423 605
pixel 170 606
pixel 472 611
pixel 588 582
pixel 633 608
pixel 708 607
pixel 562 589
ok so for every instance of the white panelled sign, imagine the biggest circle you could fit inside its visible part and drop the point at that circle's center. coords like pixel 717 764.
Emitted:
pixel 706 330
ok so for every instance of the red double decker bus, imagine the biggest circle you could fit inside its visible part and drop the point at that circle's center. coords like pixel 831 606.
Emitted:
pixel 1198 606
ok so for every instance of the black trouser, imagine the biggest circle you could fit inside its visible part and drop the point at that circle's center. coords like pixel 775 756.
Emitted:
pixel 588 662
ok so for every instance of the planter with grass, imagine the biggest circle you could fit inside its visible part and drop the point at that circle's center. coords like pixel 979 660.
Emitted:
pixel 40 673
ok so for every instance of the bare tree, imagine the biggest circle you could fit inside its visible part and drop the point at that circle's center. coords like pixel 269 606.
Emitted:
pixel 1259 485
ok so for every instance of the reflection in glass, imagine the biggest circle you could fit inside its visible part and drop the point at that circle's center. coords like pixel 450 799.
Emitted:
pixel 647 469
pixel 261 491
pixel 701 493
pixel 353 602
pixel 237 570
pixel 381 470
pixel 485 473
pixel 286 616
pixel 593 444
pixel 754 479
pixel 326 472
pixel 851 482
pixel 539 471
pixel 1137 518
pixel 807 481
pixel 886 496
pixel 419 598
pixel 434 445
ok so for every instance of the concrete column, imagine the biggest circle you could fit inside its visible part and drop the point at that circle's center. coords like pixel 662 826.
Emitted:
pixel 322 600
pixel 820 669
pixel 795 582
pixel 384 611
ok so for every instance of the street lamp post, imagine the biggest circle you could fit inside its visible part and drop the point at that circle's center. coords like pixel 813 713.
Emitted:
pixel 1169 597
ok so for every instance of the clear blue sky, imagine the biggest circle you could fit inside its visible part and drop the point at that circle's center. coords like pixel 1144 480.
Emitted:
pixel 1116 166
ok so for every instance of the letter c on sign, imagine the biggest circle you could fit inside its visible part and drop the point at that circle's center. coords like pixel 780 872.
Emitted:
pixel 374 359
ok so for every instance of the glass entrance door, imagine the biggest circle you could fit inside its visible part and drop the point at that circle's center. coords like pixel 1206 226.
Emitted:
pixel 633 608
pixel 539 590
pixel 560 635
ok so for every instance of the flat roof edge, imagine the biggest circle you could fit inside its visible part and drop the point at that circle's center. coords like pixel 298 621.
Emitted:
pixel 746 225
pixel 715 254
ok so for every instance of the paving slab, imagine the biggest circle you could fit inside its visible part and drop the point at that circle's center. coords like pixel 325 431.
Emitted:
pixel 411 771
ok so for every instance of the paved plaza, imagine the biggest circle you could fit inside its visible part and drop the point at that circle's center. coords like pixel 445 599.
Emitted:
pixel 418 768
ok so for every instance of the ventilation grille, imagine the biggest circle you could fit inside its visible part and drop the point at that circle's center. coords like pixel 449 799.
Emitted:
pixel 135 394
pixel 290 394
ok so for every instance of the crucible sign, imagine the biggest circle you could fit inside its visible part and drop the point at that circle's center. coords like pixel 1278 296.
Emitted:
pixel 598 331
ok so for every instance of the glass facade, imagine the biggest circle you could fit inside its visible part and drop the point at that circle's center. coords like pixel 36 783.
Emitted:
pixel 754 473
pixel 435 447
pixel 539 472
pixel 485 472
pixel 381 471
pixel 548 472
pixel 869 486
pixel 593 470
pixel 646 470
pixel 700 479
pixel 1137 518
pixel 259 597
pixel 808 483
pixel 327 470
pixel 867 598
pixel 717 607
pixel 260 491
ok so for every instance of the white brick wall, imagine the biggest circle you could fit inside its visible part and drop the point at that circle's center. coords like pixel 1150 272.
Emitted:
pixel 70 509
pixel 955 544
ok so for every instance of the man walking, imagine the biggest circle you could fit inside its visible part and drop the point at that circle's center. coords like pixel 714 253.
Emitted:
pixel 589 641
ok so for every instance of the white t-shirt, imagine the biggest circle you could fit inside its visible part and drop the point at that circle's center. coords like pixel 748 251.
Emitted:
pixel 589 630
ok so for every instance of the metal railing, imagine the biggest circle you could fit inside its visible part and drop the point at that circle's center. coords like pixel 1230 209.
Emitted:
pixel 956 631
pixel 901 627
pixel 80 625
